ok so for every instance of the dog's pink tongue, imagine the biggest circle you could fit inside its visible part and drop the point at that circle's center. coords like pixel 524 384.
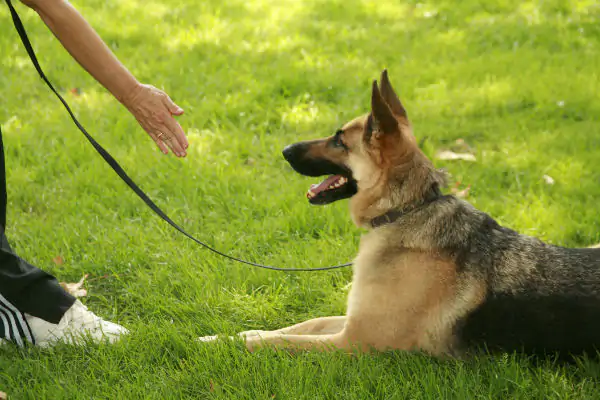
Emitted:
pixel 318 188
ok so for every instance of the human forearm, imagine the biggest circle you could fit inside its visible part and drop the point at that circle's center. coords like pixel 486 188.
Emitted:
pixel 152 107
pixel 84 44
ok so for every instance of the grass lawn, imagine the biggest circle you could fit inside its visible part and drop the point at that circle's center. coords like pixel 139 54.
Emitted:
pixel 518 81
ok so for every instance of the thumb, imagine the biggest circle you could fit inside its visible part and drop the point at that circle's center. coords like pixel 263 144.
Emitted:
pixel 173 108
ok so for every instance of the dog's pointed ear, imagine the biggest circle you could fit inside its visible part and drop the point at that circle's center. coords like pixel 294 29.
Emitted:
pixel 382 117
pixel 390 96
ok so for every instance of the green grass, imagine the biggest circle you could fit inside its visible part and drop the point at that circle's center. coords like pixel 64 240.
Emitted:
pixel 519 82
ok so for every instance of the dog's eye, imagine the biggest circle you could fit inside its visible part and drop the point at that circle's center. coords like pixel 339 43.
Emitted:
pixel 337 140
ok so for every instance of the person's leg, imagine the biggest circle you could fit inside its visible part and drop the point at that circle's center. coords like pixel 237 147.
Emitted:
pixel 30 289
pixel 33 305
pixel 23 287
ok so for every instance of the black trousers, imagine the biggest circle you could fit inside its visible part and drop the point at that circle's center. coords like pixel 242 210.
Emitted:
pixel 23 287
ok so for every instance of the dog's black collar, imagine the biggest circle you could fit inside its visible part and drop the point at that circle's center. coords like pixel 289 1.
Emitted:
pixel 432 194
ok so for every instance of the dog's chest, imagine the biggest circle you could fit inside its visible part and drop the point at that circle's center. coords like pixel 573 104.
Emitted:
pixel 407 297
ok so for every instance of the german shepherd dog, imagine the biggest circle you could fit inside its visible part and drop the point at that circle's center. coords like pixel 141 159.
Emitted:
pixel 433 273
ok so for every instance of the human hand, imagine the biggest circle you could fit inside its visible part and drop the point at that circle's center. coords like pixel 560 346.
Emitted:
pixel 154 110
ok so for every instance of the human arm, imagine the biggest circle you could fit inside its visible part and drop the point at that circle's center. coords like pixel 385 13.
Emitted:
pixel 153 108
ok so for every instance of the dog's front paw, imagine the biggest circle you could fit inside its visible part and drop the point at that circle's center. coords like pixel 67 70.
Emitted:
pixel 207 338
pixel 250 338
pixel 243 335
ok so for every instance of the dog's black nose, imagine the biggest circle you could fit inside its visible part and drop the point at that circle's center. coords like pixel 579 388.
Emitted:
pixel 288 152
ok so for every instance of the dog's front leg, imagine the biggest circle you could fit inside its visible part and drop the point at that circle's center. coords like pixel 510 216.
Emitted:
pixel 321 326
pixel 298 342
pixel 316 326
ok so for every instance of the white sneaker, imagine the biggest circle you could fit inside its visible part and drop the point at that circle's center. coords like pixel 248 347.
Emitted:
pixel 78 326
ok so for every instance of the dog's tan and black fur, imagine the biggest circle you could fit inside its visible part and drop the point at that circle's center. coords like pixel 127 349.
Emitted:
pixel 433 273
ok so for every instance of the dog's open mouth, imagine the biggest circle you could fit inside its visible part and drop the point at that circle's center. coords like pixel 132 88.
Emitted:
pixel 334 188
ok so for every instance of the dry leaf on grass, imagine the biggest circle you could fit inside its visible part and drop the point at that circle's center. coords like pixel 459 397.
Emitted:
pixel 450 155
pixel 459 150
pixel 58 260
pixel 76 289
pixel 460 193
pixel 461 146
pixel 548 179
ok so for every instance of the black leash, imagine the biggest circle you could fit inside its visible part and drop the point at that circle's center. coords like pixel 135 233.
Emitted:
pixel 122 174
